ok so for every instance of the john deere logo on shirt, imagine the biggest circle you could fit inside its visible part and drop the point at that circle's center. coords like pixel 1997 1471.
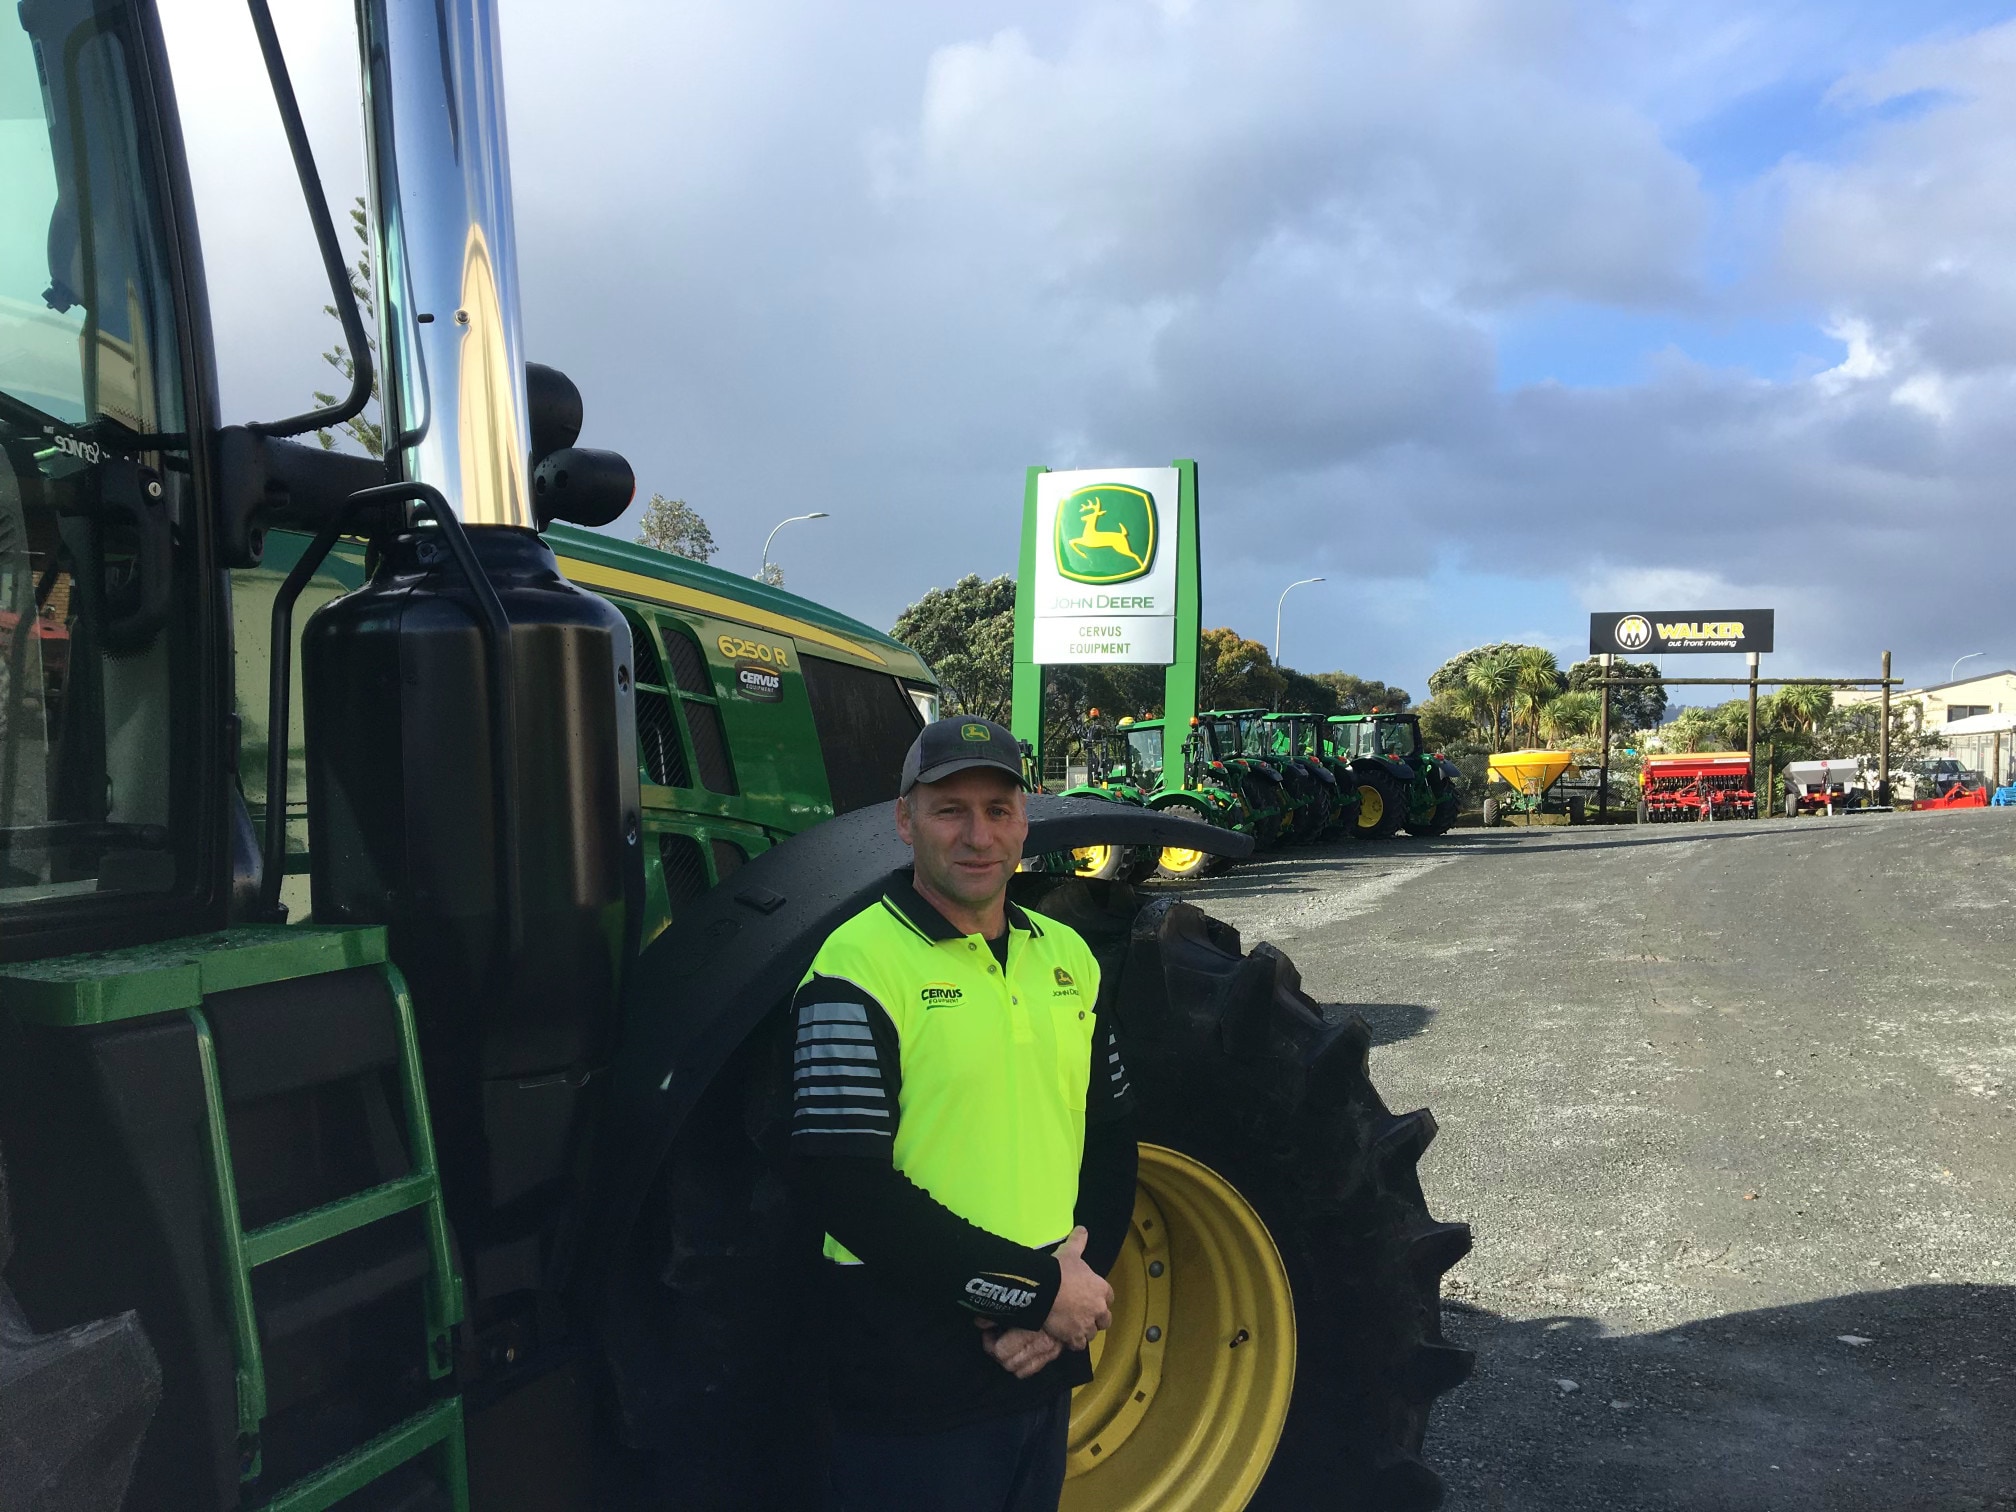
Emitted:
pixel 1064 978
pixel 975 732
pixel 1000 1293
pixel 941 995
pixel 1105 534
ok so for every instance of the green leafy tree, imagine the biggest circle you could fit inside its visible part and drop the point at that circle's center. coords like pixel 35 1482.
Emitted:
pixel 1490 684
pixel 1570 717
pixel 966 635
pixel 1362 695
pixel 1446 721
pixel 1304 694
pixel 367 432
pixel 1536 679
pixel 674 526
pixel 1639 707
pixel 1235 673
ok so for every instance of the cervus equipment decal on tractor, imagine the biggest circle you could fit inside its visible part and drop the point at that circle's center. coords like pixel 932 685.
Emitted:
pixel 402 885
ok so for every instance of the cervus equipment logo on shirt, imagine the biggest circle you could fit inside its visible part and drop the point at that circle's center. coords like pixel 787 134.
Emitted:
pixel 1000 1293
pixel 1105 534
pixel 941 995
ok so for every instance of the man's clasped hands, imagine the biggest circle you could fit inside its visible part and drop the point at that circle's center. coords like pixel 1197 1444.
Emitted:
pixel 1084 1305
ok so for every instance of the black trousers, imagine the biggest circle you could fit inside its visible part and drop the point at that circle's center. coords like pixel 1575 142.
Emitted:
pixel 1011 1464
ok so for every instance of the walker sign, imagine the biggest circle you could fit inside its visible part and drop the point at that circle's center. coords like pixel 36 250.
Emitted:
pixel 1105 584
pixel 1661 632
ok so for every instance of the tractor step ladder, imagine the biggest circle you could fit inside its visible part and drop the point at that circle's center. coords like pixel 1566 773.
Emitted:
pixel 436 1428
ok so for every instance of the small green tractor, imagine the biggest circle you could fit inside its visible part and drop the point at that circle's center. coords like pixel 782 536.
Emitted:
pixel 1197 793
pixel 1236 752
pixel 1400 784
pixel 1300 738
pixel 1110 775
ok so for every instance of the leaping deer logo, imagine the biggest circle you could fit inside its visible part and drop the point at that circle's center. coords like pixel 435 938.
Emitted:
pixel 1090 537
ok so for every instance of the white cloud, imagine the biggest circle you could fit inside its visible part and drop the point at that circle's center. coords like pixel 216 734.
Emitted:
pixel 790 256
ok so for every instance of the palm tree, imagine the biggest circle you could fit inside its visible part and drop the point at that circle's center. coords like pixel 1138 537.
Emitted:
pixel 1801 706
pixel 1536 678
pixel 1568 716
pixel 1488 691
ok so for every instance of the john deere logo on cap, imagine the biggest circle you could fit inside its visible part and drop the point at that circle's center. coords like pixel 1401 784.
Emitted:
pixel 1105 534
pixel 975 732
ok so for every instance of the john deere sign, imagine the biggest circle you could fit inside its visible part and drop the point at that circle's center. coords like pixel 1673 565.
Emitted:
pixel 1105 580
pixel 1105 534
pixel 1661 632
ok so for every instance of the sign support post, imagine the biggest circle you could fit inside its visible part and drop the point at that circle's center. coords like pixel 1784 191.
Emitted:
pixel 1603 734
pixel 1025 710
pixel 1883 740
pixel 1756 809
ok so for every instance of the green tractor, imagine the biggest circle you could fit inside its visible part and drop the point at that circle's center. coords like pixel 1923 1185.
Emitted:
pixel 1400 783
pixel 1192 794
pixel 1110 775
pixel 1233 754
pixel 1299 738
pixel 396 939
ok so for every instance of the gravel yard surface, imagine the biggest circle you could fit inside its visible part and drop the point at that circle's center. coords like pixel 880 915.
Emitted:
pixel 1732 1109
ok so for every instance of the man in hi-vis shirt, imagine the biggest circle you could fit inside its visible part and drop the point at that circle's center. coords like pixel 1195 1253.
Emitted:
pixel 964 1121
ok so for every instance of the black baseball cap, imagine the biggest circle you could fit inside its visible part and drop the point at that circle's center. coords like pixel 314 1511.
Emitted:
pixel 953 745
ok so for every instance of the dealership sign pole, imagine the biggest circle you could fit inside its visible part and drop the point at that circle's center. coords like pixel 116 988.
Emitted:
pixel 1109 574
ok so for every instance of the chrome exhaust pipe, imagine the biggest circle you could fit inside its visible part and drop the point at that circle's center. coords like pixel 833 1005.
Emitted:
pixel 446 255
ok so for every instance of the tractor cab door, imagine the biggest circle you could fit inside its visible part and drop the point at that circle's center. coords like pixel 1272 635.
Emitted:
pixel 109 681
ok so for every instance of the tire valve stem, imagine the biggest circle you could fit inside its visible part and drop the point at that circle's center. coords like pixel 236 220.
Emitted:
pixel 1239 1338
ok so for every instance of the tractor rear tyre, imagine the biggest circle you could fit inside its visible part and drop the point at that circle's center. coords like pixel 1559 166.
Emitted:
pixel 1382 806
pixel 1099 863
pixel 1279 1300
pixel 1179 863
pixel 1443 819
pixel 1277 1337
pixel 1578 812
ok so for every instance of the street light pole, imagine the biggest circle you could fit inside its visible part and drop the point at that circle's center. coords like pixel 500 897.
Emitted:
pixel 1955 670
pixel 1277 612
pixel 817 514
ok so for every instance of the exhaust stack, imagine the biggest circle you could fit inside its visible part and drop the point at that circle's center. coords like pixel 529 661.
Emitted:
pixel 447 261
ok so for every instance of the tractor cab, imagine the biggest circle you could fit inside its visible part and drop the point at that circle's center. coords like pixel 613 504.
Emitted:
pixel 1144 754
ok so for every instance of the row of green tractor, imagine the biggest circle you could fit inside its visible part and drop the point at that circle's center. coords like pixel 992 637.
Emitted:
pixel 1282 778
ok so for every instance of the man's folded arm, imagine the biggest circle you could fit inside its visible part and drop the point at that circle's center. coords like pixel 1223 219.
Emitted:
pixel 846 1074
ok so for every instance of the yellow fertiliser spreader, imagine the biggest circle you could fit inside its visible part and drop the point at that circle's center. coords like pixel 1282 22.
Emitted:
pixel 1520 789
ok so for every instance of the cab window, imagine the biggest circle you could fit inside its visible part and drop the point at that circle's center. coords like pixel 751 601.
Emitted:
pixel 97 668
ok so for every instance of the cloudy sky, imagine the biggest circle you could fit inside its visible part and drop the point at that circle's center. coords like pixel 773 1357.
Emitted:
pixel 1493 312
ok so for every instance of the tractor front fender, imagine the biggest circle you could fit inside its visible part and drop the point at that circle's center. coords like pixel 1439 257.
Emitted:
pixel 1209 797
pixel 737 953
pixel 1397 771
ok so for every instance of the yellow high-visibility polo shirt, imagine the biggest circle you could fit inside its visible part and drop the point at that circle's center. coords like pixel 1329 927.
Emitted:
pixel 916 1045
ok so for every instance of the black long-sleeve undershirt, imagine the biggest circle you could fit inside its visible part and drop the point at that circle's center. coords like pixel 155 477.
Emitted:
pixel 892 1224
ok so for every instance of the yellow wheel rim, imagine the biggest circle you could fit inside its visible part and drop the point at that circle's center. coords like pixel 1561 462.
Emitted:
pixel 1371 806
pixel 1090 860
pixel 1192 1382
pixel 1182 862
